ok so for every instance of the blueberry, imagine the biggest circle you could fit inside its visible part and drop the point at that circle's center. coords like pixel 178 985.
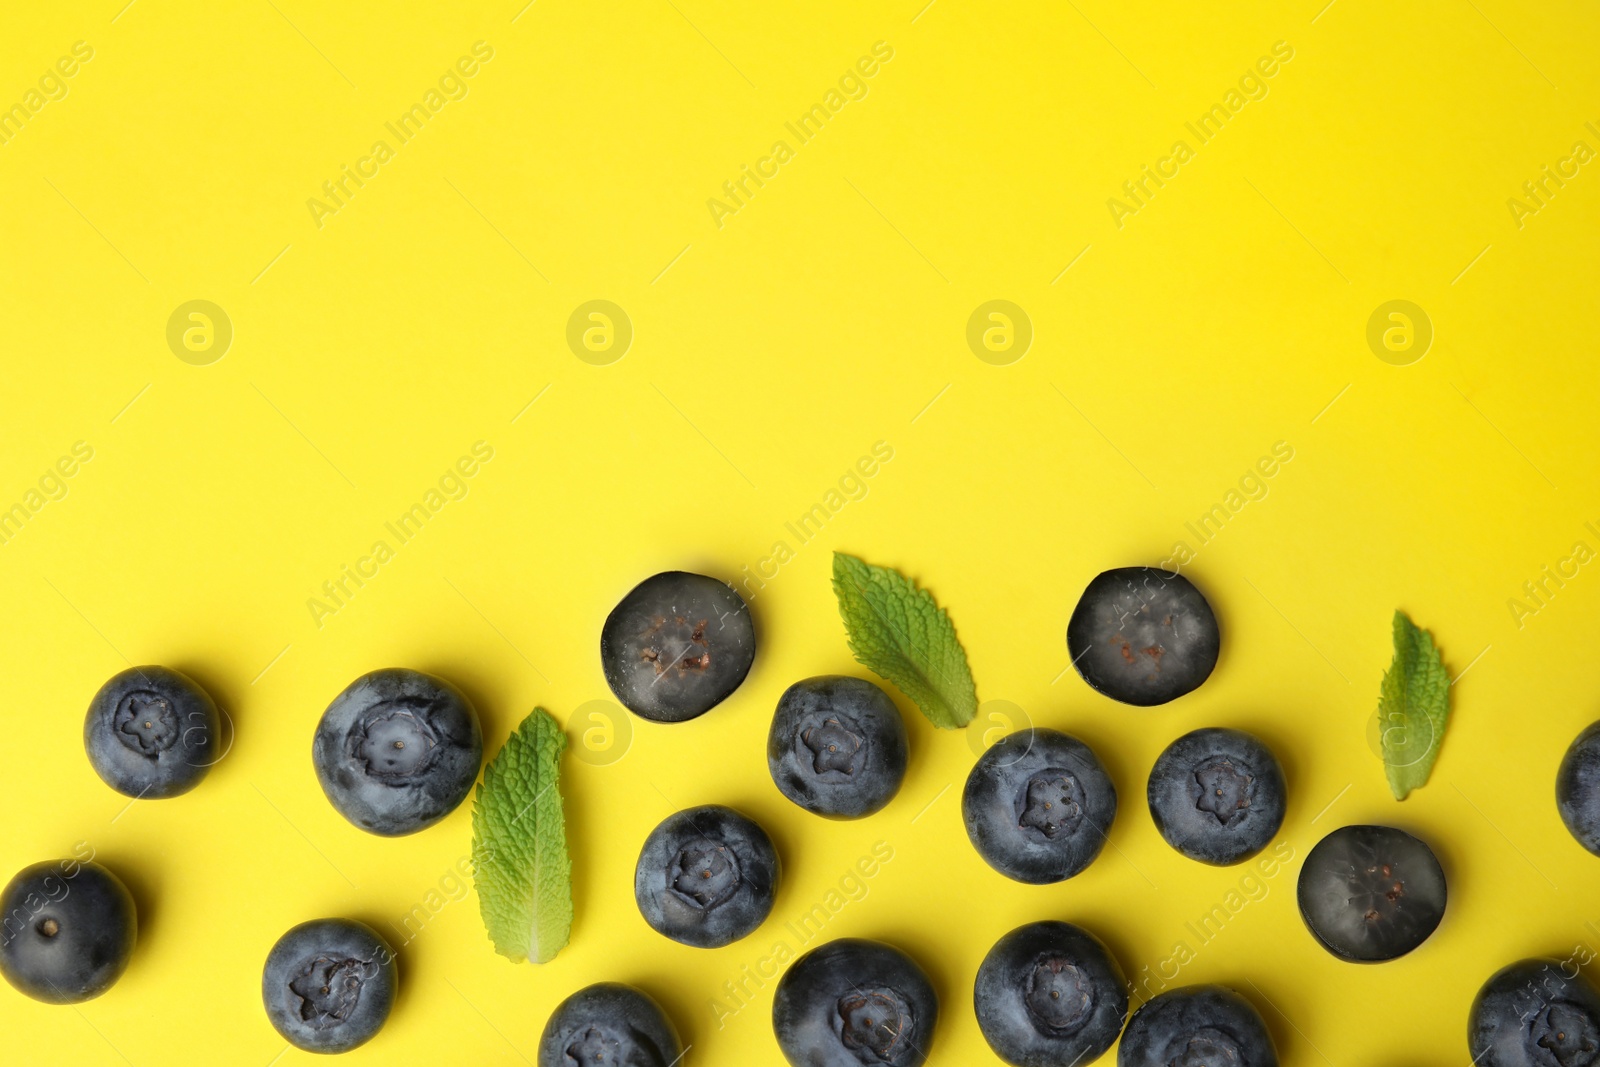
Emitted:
pixel 1371 893
pixel 1578 788
pixel 706 877
pixel 837 746
pixel 1217 795
pixel 852 1002
pixel 677 646
pixel 397 751
pixel 1143 635
pixel 609 1025
pixel 1049 994
pixel 69 931
pixel 1535 1013
pixel 1038 806
pixel 329 985
pixel 1197 1026
pixel 152 732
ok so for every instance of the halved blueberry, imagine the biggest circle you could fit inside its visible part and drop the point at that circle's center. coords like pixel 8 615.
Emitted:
pixel 1217 795
pixel 1049 994
pixel 852 1002
pixel 70 930
pixel 677 645
pixel 837 746
pixel 329 985
pixel 152 732
pixel 1143 635
pixel 706 877
pixel 609 1025
pixel 1535 1013
pixel 1371 893
pixel 397 751
pixel 1197 1026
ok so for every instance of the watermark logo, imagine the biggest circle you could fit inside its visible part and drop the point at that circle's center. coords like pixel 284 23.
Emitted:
pixel 603 730
pixel 1399 333
pixel 999 332
pixel 199 332
pixel 599 332
pixel 995 726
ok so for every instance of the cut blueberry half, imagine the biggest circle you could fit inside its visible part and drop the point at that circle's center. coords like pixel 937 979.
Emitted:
pixel 1143 635
pixel 1038 806
pixel 1371 893
pixel 677 645
pixel 70 930
pixel 152 732
pixel 1217 795
pixel 397 751
pixel 837 746
pixel 1578 788
pixel 609 1025
pixel 706 877
pixel 1535 1013
pixel 1197 1026
pixel 329 985
pixel 1049 994
pixel 853 1002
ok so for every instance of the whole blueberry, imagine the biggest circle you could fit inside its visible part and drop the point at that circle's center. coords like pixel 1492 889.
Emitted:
pixel 1578 788
pixel 152 732
pixel 837 746
pixel 1217 795
pixel 609 1025
pixel 706 877
pixel 329 985
pixel 1197 1026
pixel 1038 806
pixel 1049 994
pixel 397 751
pixel 852 1002
pixel 1371 893
pixel 70 928
pixel 1143 635
pixel 1535 1013
pixel 677 646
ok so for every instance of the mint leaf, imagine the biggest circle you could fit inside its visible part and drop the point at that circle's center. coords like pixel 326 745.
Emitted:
pixel 1413 706
pixel 898 631
pixel 519 844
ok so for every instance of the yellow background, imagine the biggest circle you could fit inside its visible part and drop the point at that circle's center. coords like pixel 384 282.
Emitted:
pixel 769 355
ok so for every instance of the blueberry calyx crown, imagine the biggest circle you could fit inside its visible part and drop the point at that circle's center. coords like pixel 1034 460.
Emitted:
pixel 682 646
pixel 1564 1035
pixel 597 1048
pixel 328 988
pixel 831 747
pixel 1050 803
pixel 874 1022
pixel 1058 996
pixel 705 873
pixel 1225 789
pixel 146 722
pixel 395 742
pixel 1207 1047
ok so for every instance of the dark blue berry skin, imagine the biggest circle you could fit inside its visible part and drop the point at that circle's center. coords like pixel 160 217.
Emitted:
pixel 1197 1026
pixel 837 746
pixel 329 985
pixel 1578 789
pixel 609 1025
pixel 151 732
pixel 1143 635
pixel 1038 806
pixel 676 646
pixel 397 751
pixel 1371 893
pixel 706 877
pixel 1217 795
pixel 1049 994
pixel 854 1002
pixel 1535 1013
pixel 69 931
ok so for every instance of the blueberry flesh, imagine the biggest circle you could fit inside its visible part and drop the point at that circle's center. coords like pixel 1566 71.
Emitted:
pixel 852 1002
pixel 1371 893
pixel 1535 1013
pixel 837 746
pixel 1038 806
pixel 329 985
pixel 677 646
pixel 1578 789
pixel 151 732
pixel 609 1025
pixel 706 877
pixel 397 751
pixel 1217 795
pixel 1197 1026
pixel 1143 635
pixel 69 931
pixel 1049 994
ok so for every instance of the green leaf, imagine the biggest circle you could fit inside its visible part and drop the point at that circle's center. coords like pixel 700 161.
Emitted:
pixel 1413 706
pixel 898 631
pixel 519 844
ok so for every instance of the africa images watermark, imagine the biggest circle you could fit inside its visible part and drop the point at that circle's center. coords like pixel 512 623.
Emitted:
pixel 51 486
pixel 1252 486
pixel 1538 592
pixel 1252 85
pixel 52 86
pixel 1540 190
pixel 452 85
pixel 852 85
